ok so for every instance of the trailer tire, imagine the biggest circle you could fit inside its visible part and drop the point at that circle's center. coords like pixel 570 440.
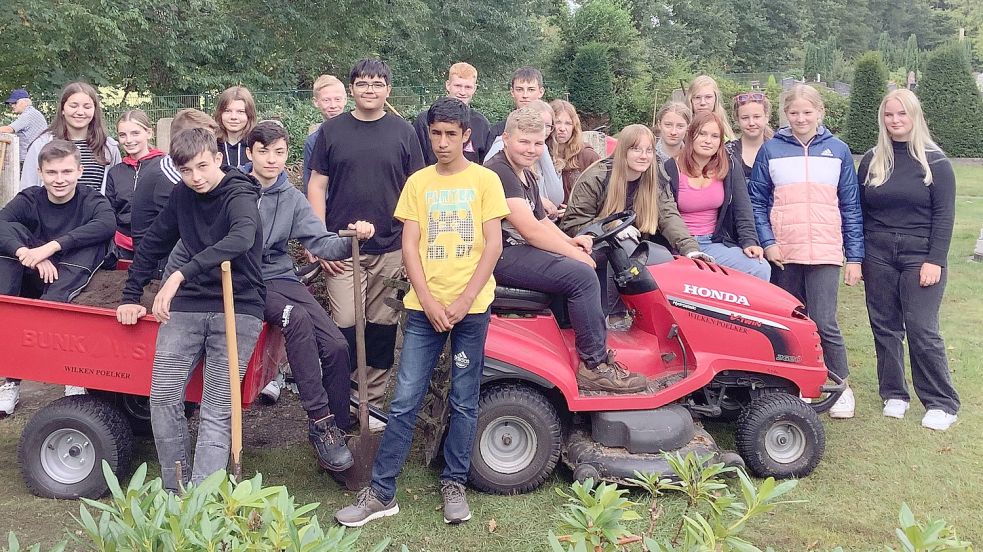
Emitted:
pixel 517 442
pixel 62 448
pixel 780 436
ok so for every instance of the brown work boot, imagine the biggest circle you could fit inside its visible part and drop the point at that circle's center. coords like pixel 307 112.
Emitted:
pixel 611 377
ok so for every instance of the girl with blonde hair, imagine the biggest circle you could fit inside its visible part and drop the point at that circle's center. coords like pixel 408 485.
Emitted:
pixel 571 155
pixel 628 180
pixel 703 94
pixel 908 200
pixel 671 123
pixel 751 111
pixel 806 203
pixel 135 134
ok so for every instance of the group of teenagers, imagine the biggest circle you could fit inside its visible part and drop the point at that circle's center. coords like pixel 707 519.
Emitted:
pixel 457 204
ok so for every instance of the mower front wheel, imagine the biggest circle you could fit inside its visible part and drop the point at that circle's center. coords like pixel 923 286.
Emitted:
pixel 518 440
pixel 780 436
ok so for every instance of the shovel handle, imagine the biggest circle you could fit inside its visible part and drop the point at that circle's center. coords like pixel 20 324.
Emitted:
pixel 232 346
pixel 362 371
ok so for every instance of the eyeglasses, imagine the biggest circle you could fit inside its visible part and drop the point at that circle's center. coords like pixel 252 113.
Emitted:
pixel 749 97
pixel 362 86
pixel 638 151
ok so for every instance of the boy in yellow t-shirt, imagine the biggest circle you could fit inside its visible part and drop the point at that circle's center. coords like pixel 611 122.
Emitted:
pixel 452 238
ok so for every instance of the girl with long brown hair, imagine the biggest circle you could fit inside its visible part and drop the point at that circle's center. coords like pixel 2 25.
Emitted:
pixel 571 155
pixel 712 197
pixel 236 116
pixel 79 120
pixel 751 111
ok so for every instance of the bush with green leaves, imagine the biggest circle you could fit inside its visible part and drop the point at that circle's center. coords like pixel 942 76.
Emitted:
pixel 297 116
pixel 869 87
pixel 217 515
pixel 951 101
pixel 591 83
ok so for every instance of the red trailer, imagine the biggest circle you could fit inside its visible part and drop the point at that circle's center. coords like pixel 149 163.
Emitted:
pixel 63 445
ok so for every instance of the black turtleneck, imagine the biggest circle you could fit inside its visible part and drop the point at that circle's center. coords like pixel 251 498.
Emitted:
pixel 903 204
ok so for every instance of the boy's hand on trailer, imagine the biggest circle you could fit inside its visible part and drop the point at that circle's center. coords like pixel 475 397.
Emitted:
pixel 851 274
pixel 48 271
pixel 128 315
pixel 162 302
pixel 363 230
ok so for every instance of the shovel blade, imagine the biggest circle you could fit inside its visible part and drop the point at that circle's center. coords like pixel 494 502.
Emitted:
pixel 364 447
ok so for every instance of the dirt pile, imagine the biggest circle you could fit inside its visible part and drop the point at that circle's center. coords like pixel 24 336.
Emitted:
pixel 105 289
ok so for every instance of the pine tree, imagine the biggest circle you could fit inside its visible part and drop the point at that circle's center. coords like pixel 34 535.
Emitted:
pixel 951 101
pixel 869 87
pixel 911 54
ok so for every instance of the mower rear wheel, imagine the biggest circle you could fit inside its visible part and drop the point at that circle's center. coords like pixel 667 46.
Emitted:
pixel 518 440
pixel 62 447
pixel 780 436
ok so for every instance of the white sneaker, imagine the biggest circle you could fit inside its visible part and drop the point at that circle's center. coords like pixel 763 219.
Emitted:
pixel 844 406
pixel 895 408
pixel 71 390
pixel 272 390
pixel 9 396
pixel 938 420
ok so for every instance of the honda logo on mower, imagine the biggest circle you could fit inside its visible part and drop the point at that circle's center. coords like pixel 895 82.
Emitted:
pixel 690 289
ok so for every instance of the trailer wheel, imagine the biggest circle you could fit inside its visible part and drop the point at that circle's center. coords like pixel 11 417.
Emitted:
pixel 518 440
pixel 780 436
pixel 62 447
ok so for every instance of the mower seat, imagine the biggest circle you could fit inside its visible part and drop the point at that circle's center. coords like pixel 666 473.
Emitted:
pixel 509 299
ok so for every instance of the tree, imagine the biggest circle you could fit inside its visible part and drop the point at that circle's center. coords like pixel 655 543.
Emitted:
pixel 951 101
pixel 591 83
pixel 869 87
pixel 909 56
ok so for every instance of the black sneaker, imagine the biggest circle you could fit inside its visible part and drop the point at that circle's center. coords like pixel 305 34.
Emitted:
pixel 367 507
pixel 329 444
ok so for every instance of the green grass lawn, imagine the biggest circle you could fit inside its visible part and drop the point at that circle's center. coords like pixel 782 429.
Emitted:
pixel 872 464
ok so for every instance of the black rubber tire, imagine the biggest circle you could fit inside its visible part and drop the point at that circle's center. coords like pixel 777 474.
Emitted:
pixel 764 413
pixel 103 424
pixel 534 409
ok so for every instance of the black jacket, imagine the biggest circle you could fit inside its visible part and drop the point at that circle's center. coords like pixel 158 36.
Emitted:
pixel 735 221
pixel 122 182
pixel 479 144
pixel 221 225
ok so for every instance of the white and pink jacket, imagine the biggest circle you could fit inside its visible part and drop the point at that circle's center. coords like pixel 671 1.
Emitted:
pixel 806 199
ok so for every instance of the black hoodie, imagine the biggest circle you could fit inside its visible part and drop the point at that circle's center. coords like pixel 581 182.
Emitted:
pixel 217 226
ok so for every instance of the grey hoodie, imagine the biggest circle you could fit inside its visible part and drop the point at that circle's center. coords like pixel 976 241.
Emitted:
pixel 285 214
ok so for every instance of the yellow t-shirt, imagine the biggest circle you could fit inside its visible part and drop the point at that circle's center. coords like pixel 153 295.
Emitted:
pixel 450 211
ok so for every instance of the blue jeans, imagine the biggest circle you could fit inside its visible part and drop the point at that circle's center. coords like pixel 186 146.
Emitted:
pixel 734 257
pixel 421 349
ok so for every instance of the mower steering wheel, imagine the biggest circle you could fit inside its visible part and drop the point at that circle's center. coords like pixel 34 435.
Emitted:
pixel 624 219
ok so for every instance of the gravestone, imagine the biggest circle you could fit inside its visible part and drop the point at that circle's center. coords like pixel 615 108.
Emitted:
pixel 163 134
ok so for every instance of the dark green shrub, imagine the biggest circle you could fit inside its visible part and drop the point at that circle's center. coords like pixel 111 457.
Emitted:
pixel 951 102
pixel 591 83
pixel 869 87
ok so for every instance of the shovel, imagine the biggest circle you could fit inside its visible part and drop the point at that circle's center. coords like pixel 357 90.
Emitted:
pixel 232 346
pixel 366 443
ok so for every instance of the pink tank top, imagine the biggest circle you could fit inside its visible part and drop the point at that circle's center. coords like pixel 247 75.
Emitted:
pixel 699 206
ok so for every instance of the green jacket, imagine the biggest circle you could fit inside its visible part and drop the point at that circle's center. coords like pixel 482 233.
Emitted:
pixel 587 200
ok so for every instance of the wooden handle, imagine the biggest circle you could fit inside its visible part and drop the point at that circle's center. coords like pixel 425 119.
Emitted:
pixel 232 344
pixel 362 373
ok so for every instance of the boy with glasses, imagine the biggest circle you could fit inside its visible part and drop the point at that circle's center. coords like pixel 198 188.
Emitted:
pixel 366 155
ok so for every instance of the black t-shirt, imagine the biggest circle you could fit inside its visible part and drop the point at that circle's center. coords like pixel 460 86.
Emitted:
pixel 367 164
pixel 514 187
pixel 474 150
pixel 83 221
